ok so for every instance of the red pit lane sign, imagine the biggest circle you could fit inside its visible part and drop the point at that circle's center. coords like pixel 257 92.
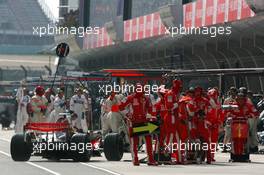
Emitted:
pixel 62 50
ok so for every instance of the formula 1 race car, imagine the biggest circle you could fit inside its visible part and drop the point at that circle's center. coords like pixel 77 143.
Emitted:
pixel 53 141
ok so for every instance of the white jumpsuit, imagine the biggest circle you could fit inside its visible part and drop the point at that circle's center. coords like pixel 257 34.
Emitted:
pixel 79 104
pixel 114 119
pixel 107 106
pixel 22 114
pixel 59 107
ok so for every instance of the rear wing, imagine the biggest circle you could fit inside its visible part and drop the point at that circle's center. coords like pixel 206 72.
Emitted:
pixel 47 127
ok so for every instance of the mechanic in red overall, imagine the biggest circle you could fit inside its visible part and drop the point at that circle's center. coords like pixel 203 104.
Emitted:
pixel 171 119
pixel 214 118
pixel 201 114
pixel 245 110
pixel 185 117
pixel 185 113
pixel 159 109
pixel 191 110
pixel 140 105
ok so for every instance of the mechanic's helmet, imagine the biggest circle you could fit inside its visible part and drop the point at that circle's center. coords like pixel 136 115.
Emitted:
pixel 191 90
pixel 85 91
pixel 40 90
pixel 232 90
pixel 243 90
pixel 213 93
pixel 241 95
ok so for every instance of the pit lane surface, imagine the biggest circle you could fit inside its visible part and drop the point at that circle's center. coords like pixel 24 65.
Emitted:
pixel 99 165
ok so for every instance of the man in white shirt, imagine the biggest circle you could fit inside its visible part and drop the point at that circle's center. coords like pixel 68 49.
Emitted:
pixel 50 97
pixel 59 107
pixel 78 105
pixel 22 113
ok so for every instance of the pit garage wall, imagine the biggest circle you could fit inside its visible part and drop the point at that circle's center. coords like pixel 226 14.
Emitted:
pixel 196 14
pixel 239 50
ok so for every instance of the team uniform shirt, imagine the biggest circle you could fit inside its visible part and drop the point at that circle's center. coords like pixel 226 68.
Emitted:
pixel 59 107
pixel 78 104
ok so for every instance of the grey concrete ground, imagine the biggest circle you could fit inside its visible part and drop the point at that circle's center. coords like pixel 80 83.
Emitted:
pixel 99 165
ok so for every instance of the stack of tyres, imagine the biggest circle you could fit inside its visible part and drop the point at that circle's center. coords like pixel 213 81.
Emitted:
pixel 240 134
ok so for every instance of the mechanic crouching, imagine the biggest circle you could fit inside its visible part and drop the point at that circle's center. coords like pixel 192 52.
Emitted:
pixel 140 105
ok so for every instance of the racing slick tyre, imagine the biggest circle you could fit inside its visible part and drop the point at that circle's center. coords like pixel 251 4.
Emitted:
pixel 113 147
pixel 20 150
pixel 81 155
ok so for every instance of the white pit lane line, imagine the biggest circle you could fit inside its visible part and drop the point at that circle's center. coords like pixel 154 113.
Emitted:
pixel 6 140
pixel 100 169
pixel 33 164
pixel 30 163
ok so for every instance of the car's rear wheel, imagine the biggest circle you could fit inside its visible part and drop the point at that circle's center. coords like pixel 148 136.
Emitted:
pixel 83 155
pixel 20 150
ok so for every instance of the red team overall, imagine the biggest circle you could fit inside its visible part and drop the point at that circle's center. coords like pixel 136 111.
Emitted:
pixel 201 117
pixel 171 118
pixel 159 109
pixel 186 113
pixel 140 105
pixel 214 118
